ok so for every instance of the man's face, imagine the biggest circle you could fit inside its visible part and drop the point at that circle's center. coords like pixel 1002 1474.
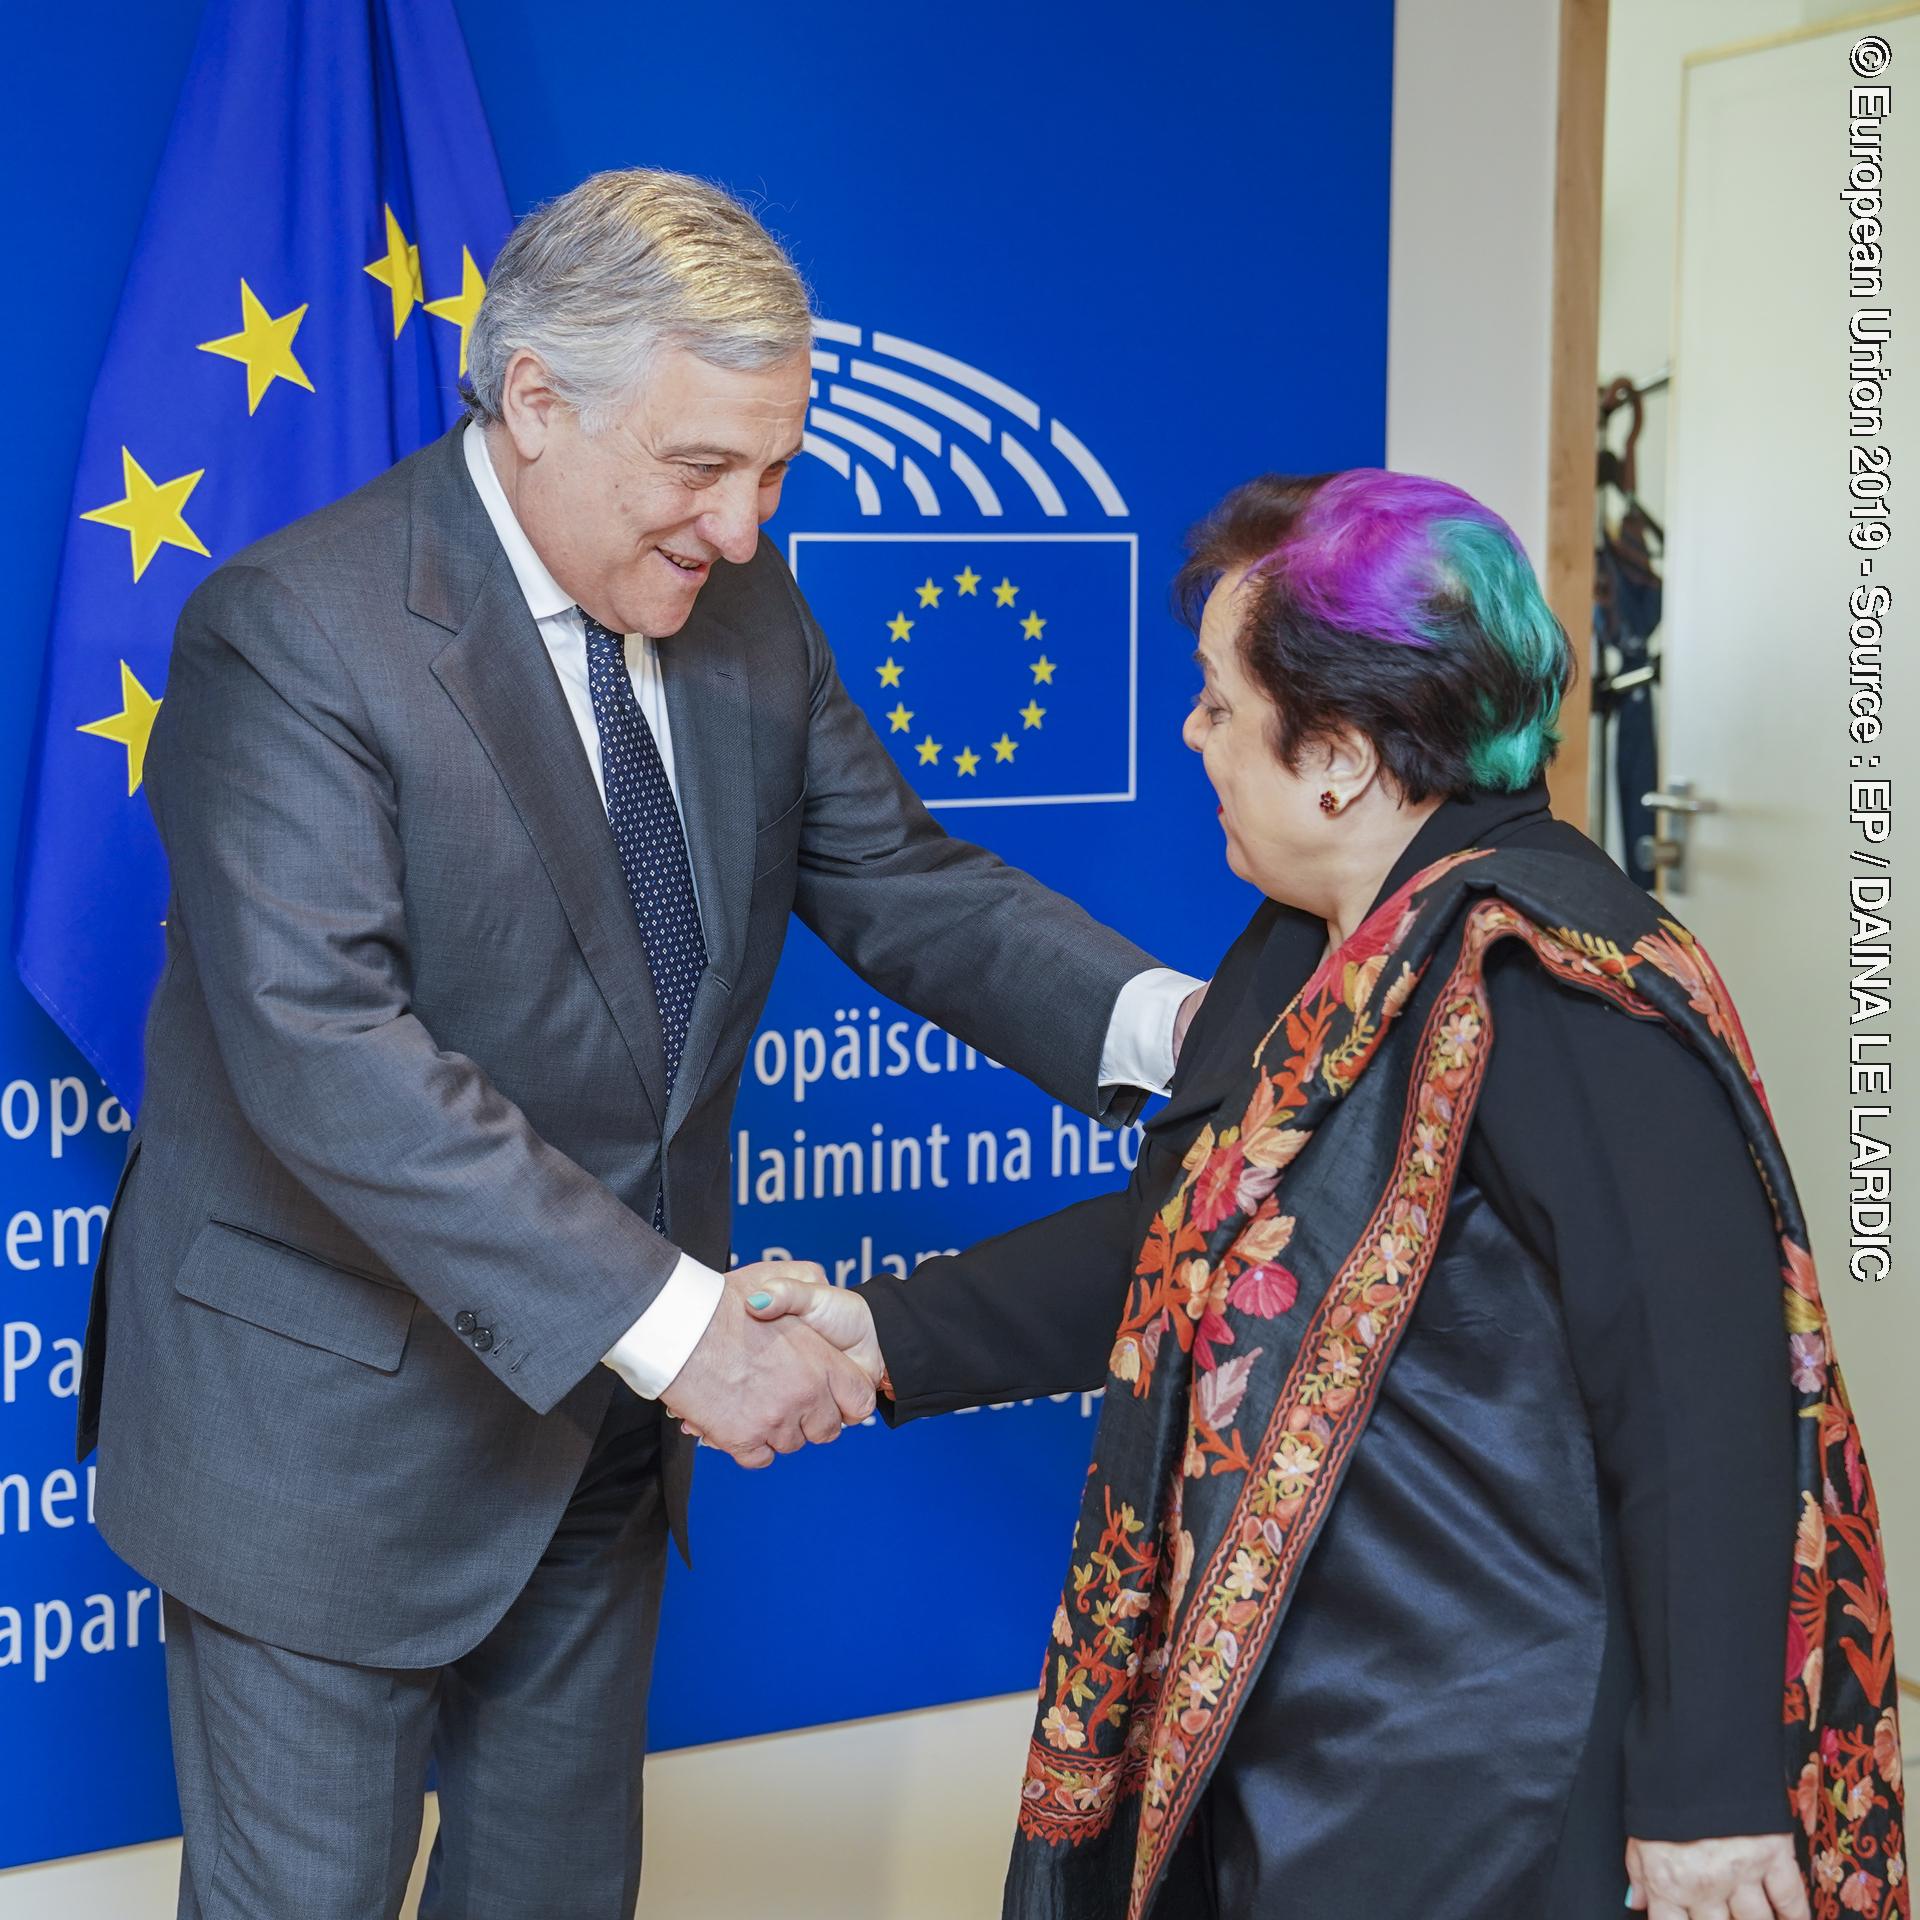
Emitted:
pixel 630 520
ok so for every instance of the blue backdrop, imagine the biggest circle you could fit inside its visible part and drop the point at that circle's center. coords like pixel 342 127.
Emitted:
pixel 1085 268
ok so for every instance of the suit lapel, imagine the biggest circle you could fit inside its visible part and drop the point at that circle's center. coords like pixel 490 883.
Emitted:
pixel 496 671
pixel 709 710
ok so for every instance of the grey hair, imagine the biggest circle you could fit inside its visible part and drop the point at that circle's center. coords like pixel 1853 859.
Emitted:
pixel 598 280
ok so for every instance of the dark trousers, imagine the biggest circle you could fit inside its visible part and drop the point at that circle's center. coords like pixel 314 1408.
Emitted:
pixel 301 1780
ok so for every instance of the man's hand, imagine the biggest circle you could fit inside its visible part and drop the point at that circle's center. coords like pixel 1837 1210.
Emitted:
pixel 1184 1018
pixel 1756 1877
pixel 757 1390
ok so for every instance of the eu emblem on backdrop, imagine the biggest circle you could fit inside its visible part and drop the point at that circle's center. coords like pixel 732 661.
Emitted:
pixel 999 667
pixel 294 320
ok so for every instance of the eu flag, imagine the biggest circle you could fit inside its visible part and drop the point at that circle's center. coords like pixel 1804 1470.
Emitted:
pixel 295 319
pixel 999 668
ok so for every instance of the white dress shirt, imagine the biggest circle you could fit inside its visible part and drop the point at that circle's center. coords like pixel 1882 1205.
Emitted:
pixel 1138 1051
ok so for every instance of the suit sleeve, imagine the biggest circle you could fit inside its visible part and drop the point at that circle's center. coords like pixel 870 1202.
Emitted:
pixel 1611 1149
pixel 944 927
pixel 279 817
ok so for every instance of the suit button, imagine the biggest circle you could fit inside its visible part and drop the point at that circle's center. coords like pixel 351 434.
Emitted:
pixel 464 1322
pixel 482 1339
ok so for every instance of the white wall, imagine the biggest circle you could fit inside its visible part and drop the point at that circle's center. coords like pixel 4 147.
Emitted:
pixel 1475 91
pixel 910 1818
pixel 1469 327
pixel 1648 43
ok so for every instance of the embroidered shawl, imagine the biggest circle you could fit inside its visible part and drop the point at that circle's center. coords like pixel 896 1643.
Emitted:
pixel 1246 1366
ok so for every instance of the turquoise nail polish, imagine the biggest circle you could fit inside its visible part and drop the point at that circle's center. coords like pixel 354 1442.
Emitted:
pixel 759 1299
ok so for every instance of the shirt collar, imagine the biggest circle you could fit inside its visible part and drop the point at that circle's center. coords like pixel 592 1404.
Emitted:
pixel 544 595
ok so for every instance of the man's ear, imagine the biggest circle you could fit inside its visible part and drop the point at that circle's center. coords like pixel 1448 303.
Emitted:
pixel 529 404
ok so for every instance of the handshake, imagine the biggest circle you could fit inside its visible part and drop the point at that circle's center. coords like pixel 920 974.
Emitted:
pixel 788 1359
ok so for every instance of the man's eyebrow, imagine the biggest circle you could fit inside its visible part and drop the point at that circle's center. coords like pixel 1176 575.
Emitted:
pixel 731 455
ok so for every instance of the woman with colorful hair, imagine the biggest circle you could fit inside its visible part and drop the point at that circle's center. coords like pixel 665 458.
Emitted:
pixel 1473 1466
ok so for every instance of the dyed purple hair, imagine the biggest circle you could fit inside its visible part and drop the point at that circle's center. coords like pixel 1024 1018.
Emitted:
pixel 1396 606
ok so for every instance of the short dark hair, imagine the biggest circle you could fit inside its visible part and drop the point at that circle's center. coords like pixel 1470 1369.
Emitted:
pixel 1394 606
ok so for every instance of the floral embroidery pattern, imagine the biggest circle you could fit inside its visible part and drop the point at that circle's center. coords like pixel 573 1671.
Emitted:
pixel 1247 1382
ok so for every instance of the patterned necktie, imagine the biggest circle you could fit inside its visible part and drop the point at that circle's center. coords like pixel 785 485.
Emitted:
pixel 647 831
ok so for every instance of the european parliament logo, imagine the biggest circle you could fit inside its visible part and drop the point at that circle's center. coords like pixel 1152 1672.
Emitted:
pixel 998 667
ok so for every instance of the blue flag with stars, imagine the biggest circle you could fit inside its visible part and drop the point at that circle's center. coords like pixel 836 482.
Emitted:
pixel 295 319
pixel 999 668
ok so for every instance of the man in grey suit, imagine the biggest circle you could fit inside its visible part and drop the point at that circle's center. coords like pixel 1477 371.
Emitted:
pixel 487 793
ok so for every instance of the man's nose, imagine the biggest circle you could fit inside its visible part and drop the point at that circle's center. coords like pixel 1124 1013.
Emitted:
pixel 731 526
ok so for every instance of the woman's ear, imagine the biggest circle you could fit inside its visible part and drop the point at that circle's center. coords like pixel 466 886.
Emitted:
pixel 1351 766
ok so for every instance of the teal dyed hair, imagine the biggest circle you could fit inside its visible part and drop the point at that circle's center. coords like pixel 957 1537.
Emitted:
pixel 1481 568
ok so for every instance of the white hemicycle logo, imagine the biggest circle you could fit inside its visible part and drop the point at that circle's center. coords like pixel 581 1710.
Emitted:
pixel 928 429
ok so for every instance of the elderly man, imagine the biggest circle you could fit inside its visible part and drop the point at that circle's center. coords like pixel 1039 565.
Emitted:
pixel 487 793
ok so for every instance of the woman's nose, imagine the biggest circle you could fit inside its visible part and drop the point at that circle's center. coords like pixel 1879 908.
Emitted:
pixel 1191 731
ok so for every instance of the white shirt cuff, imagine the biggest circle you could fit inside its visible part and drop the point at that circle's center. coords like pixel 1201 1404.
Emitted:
pixel 650 1354
pixel 1139 1049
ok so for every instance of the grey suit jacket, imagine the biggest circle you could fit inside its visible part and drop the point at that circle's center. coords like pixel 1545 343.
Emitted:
pixel 388 1202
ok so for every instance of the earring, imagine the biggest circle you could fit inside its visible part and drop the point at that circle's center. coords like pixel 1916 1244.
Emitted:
pixel 1329 802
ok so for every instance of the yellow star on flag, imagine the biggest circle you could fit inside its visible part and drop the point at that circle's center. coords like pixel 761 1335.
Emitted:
pixel 889 672
pixel 1004 748
pixel 928 592
pixel 131 727
pixel 967 760
pixel 901 717
pixel 900 626
pixel 264 346
pixel 150 512
pixel 1003 594
pixel 1042 670
pixel 1033 713
pixel 398 270
pixel 461 307
pixel 967 581
pixel 1031 626
pixel 928 750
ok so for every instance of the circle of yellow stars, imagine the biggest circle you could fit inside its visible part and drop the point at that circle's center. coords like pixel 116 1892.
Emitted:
pixel 967 762
pixel 152 513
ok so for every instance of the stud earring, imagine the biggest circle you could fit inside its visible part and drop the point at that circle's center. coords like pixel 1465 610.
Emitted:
pixel 1329 802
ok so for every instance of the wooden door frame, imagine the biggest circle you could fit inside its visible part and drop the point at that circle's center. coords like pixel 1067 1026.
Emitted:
pixel 1574 377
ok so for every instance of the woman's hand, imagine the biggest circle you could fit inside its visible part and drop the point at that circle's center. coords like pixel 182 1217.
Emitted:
pixel 1754 1877
pixel 1184 1019
pixel 837 1314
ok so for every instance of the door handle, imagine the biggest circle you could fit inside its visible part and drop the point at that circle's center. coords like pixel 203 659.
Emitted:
pixel 1666 851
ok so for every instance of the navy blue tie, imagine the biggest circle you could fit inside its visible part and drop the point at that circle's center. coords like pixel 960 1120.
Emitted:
pixel 653 846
